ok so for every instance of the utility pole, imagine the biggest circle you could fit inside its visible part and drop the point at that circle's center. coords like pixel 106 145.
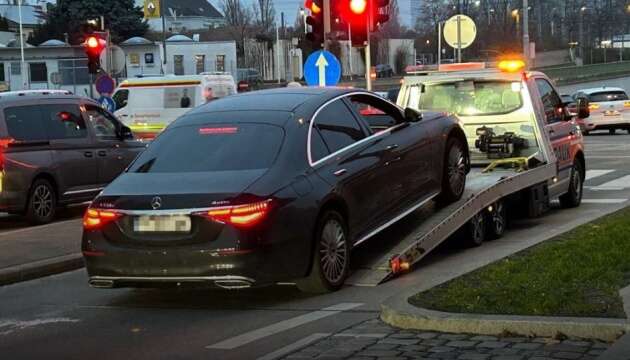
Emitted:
pixel 23 69
pixel 327 25
pixel 163 36
pixel 526 33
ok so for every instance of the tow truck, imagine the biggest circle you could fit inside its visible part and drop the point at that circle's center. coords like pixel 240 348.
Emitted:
pixel 526 150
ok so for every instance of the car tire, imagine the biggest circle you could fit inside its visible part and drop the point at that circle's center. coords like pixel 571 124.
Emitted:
pixel 612 131
pixel 454 171
pixel 42 203
pixel 587 133
pixel 331 256
pixel 496 221
pixel 475 232
pixel 573 198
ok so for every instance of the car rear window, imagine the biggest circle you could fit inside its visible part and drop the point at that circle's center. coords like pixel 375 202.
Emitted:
pixel 25 123
pixel 608 96
pixel 212 147
pixel 468 97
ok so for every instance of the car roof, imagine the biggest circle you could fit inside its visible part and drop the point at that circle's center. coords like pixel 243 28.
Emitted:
pixel 599 89
pixel 281 99
pixel 446 76
pixel 26 95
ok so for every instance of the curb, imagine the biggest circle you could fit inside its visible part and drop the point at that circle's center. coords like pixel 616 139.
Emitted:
pixel 40 268
pixel 399 313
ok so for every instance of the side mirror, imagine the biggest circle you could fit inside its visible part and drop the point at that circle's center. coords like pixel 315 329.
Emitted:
pixel 583 110
pixel 124 133
pixel 412 115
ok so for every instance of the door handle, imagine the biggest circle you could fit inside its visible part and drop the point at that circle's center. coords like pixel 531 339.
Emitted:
pixel 340 172
pixel 102 153
pixel 393 161
pixel 392 147
pixel 88 154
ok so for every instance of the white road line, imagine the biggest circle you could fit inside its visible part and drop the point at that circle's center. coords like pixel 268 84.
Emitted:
pixel 293 347
pixel 604 201
pixel 592 174
pixel 617 184
pixel 281 326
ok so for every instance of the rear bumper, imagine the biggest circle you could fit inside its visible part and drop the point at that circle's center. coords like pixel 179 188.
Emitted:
pixel 13 201
pixel 113 265
pixel 604 123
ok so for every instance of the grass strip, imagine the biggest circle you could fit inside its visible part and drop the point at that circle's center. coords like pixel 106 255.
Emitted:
pixel 576 274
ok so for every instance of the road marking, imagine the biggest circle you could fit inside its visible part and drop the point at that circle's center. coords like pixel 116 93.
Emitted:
pixel 281 326
pixel 617 184
pixel 592 174
pixel 604 201
pixel 294 347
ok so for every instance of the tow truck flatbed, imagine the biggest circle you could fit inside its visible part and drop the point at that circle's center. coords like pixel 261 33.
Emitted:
pixel 482 190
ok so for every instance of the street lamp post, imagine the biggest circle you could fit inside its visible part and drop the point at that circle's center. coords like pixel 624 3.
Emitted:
pixel 24 71
pixel 526 32
pixel 303 14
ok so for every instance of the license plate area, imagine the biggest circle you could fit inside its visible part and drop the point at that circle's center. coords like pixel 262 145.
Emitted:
pixel 611 113
pixel 174 224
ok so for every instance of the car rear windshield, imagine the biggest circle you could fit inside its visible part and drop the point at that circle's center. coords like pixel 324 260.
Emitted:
pixel 608 96
pixel 468 97
pixel 215 147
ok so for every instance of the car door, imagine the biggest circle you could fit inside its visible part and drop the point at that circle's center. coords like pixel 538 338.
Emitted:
pixel 407 156
pixel 113 153
pixel 73 152
pixel 343 156
pixel 559 129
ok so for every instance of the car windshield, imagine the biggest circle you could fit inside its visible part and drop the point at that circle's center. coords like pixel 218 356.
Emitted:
pixel 604 96
pixel 212 147
pixel 468 98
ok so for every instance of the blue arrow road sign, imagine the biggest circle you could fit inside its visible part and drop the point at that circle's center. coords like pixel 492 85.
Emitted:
pixel 322 68
pixel 107 103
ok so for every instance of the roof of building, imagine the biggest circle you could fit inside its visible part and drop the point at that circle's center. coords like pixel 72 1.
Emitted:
pixel 200 8
pixel 179 38
pixel 31 15
pixel 136 40
pixel 53 43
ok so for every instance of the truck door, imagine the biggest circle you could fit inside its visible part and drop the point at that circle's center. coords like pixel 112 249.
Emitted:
pixel 559 128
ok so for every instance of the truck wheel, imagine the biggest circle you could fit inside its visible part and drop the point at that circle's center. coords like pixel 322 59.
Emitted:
pixel 42 202
pixel 475 232
pixel 587 133
pixel 331 258
pixel 573 198
pixel 454 171
pixel 497 221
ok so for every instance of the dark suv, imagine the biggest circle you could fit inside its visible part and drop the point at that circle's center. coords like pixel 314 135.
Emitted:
pixel 56 149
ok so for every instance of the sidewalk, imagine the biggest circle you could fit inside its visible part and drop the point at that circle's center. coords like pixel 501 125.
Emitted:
pixel 32 252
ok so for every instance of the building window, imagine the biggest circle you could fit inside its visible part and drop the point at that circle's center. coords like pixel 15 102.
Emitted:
pixel 220 63
pixel 2 72
pixel 148 58
pixel 178 61
pixel 16 68
pixel 39 73
pixel 74 72
pixel 200 61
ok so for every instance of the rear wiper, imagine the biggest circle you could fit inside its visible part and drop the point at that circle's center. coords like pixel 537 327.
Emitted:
pixel 146 166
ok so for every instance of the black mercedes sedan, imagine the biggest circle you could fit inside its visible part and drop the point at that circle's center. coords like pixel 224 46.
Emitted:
pixel 270 186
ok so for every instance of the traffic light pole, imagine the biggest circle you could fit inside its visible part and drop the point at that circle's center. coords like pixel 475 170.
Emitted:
pixel 368 57
pixel 327 25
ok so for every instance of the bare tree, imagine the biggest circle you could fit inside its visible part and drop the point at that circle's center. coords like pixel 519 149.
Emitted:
pixel 238 19
pixel 265 15
pixel 391 28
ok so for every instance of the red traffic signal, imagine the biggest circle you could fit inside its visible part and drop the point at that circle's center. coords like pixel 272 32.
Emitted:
pixel 94 46
pixel 316 21
pixel 358 7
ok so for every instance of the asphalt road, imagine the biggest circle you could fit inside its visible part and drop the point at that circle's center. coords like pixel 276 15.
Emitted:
pixel 61 317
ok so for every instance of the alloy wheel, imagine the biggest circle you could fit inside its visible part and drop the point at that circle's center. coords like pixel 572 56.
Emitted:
pixel 333 254
pixel 456 169
pixel 42 201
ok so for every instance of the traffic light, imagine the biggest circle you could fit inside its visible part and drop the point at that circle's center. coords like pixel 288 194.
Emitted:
pixel 94 46
pixel 316 21
pixel 380 13
pixel 356 13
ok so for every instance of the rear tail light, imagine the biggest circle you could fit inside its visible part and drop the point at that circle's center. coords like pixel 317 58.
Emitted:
pixel 239 215
pixel 4 143
pixel 593 106
pixel 97 218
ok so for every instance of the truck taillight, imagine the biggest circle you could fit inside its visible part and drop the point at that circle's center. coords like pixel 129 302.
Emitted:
pixel 245 215
pixel 97 218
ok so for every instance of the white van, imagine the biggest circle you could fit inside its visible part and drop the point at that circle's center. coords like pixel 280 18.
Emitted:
pixel 148 104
